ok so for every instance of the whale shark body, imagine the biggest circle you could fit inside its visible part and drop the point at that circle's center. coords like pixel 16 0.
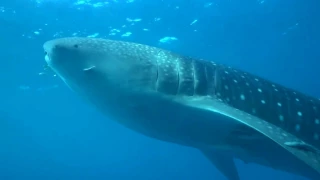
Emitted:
pixel 224 112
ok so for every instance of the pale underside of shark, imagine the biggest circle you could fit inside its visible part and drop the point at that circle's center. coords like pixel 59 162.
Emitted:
pixel 224 112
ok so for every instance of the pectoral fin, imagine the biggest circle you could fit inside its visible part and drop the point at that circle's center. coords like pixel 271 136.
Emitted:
pixel 304 151
pixel 223 161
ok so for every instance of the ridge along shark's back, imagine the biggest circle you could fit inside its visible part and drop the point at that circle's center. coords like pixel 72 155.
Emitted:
pixel 139 74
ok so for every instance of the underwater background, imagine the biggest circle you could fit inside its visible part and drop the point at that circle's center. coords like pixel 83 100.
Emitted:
pixel 47 132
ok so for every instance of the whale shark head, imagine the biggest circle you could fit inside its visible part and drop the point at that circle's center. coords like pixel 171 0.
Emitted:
pixel 78 60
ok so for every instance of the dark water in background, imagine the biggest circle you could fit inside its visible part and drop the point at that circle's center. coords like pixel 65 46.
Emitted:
pixel 47 132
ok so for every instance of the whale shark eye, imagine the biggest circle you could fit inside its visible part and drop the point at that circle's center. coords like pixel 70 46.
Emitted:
pixel 76 45
pixel 45 53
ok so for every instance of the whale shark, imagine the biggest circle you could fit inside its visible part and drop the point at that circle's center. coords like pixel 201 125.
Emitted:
pixel 224 112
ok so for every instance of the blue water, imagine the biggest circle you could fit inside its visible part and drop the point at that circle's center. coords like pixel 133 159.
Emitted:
pixel 48 133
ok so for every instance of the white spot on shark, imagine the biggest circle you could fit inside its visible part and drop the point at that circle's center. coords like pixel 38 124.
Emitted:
pixel 242 97
pixel 299 113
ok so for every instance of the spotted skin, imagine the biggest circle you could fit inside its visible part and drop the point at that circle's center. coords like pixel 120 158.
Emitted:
pixel 287 109
pixel 289 118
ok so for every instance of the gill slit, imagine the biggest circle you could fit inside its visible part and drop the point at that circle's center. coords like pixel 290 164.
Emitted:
pixel 216 83
pixel 178 74
pixel 194 77
pixel 157 76
pixel 206 76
